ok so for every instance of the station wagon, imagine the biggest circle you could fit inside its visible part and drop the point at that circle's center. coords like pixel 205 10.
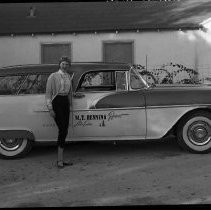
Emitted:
pixel 110 101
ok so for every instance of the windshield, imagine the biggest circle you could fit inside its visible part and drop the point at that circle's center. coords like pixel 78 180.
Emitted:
pixel 136 80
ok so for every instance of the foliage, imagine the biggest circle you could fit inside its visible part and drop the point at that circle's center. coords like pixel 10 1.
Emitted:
pixel 169 74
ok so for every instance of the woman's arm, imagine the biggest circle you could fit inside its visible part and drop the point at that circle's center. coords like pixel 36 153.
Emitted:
pixel 49 92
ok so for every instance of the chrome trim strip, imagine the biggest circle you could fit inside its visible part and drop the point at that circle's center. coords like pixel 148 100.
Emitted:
pixel 96 138
pixel 142 107
pixel 79 110
pixel 173 106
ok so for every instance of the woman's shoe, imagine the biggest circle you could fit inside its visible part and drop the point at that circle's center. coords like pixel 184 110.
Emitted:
pixel 67 163
pixel 60 164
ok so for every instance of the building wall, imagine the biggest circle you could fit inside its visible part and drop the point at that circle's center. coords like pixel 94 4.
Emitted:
pixel 191 48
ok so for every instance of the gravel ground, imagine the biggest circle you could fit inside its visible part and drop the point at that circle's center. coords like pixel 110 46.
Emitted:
pixel 104 174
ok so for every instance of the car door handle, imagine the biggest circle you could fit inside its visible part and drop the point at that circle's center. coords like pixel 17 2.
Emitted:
pixel 78 95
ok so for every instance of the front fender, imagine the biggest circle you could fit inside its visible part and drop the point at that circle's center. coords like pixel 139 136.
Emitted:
pixel 161 119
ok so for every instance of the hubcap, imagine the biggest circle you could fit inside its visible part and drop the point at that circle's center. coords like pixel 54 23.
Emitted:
pixel 199 133
pixel 11 144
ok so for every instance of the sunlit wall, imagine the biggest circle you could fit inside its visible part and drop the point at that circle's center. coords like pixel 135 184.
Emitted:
pixel 156 48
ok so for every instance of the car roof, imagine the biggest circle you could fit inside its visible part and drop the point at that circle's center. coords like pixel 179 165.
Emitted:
pixel 76 67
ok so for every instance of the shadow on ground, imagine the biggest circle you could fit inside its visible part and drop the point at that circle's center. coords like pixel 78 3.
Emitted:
pixel 163 147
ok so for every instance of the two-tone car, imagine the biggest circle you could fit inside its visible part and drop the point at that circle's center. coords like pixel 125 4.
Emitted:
pixel 110 101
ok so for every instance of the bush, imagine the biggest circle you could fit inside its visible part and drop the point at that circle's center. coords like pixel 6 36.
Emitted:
pixel 169 74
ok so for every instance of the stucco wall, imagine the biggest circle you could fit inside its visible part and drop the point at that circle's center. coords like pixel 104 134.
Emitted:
pixel 191 48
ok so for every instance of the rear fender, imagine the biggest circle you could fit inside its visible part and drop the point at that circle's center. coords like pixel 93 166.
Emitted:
pixel 17 134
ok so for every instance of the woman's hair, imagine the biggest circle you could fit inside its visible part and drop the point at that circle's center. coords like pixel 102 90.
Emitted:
pixel 65 58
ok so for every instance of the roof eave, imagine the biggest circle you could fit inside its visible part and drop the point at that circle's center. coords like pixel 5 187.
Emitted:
pixel 74 32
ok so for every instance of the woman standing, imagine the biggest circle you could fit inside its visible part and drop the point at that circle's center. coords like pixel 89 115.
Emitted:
pixel 58 100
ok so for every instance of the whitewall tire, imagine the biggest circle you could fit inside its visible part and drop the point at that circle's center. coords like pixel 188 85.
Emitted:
pixel 14 147
pixel 194 132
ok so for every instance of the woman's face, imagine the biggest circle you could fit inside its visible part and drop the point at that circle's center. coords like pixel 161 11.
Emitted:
pixel 64 65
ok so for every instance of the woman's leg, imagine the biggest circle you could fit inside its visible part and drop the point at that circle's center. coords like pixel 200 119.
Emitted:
pixel 61 109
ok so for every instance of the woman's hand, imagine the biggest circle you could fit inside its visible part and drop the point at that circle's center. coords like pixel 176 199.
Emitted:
pixel 52 113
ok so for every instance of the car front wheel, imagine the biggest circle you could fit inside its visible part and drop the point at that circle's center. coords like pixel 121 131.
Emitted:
pixel 194 132
pixel 14 147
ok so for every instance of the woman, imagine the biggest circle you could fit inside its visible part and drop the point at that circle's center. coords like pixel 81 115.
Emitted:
pixel 58 100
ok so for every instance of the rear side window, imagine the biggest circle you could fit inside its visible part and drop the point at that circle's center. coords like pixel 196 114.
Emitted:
pixel 23 84
pixel 34 84
pixel 9 85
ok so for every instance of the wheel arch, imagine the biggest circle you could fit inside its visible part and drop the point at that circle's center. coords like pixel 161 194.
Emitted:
pixel 14 133
pixel 173 130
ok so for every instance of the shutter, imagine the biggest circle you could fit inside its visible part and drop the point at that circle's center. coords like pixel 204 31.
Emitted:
pixel 118 52
pixel 51 53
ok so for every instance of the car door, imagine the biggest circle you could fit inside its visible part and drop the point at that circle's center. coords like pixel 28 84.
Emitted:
pixel 23 106
pixel 44 126
pixel 32 95
pixel 106 107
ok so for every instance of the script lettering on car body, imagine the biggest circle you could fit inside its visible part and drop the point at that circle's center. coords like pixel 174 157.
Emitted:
pixel 86 120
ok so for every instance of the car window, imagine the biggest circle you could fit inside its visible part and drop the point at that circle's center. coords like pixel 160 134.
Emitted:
pixel 23 84
pixel 135 81
pixel 34 84
pixel 9 85
pixel 121 80
pixel 97 81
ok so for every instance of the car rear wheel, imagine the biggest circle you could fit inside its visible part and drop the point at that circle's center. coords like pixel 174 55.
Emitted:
pixel 14 147
pixel 194 132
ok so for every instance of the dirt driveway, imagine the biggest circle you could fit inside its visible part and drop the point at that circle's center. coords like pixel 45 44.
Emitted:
pixel 104 174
